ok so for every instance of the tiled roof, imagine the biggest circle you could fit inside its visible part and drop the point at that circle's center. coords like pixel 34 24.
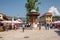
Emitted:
pixel 47 14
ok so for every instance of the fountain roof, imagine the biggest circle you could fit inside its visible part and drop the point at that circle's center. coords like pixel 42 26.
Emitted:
pixel 33 10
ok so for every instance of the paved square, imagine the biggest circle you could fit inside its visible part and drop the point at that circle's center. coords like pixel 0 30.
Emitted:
pixel 30 35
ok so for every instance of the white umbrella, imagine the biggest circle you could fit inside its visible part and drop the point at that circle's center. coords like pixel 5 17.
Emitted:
pixel 56 22
pixel 6 21
pixel 16 22
pixel 11 22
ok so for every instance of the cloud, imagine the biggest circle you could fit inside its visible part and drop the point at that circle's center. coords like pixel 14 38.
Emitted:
pixel 51 9
pixel 54 10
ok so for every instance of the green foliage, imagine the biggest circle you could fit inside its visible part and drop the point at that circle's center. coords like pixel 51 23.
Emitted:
pixel 15 19
pixel 27 18
pixel 31 4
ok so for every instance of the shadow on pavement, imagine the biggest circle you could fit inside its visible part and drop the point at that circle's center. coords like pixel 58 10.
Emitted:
pixel 58 32
pixel 26 37
pixel 1 37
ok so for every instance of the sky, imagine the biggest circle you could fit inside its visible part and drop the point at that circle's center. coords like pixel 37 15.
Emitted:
pixel 17 7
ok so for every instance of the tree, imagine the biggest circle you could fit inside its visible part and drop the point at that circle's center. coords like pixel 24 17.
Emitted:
pixel 31 4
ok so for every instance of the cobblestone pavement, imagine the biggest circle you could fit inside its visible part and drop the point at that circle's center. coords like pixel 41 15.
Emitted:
pixel 52 34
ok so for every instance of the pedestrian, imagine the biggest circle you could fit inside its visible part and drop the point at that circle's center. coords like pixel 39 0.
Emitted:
pixel 39 25
pixel 7 28
pixel 47 26
pixel 51 26
pixel 23 27
pixel 3 28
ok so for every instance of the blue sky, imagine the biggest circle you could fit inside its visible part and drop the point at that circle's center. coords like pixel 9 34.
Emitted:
pixel 17 7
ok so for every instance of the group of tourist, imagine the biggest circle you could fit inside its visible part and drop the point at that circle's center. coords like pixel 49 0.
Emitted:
pixel 46 25
pixel 49 26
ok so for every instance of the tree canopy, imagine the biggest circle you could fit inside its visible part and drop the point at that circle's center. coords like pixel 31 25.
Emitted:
pixel 30 5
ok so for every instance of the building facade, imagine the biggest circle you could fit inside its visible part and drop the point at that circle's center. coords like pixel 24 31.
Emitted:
pixel 56 18
pixel 46 18
pixel 3 17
